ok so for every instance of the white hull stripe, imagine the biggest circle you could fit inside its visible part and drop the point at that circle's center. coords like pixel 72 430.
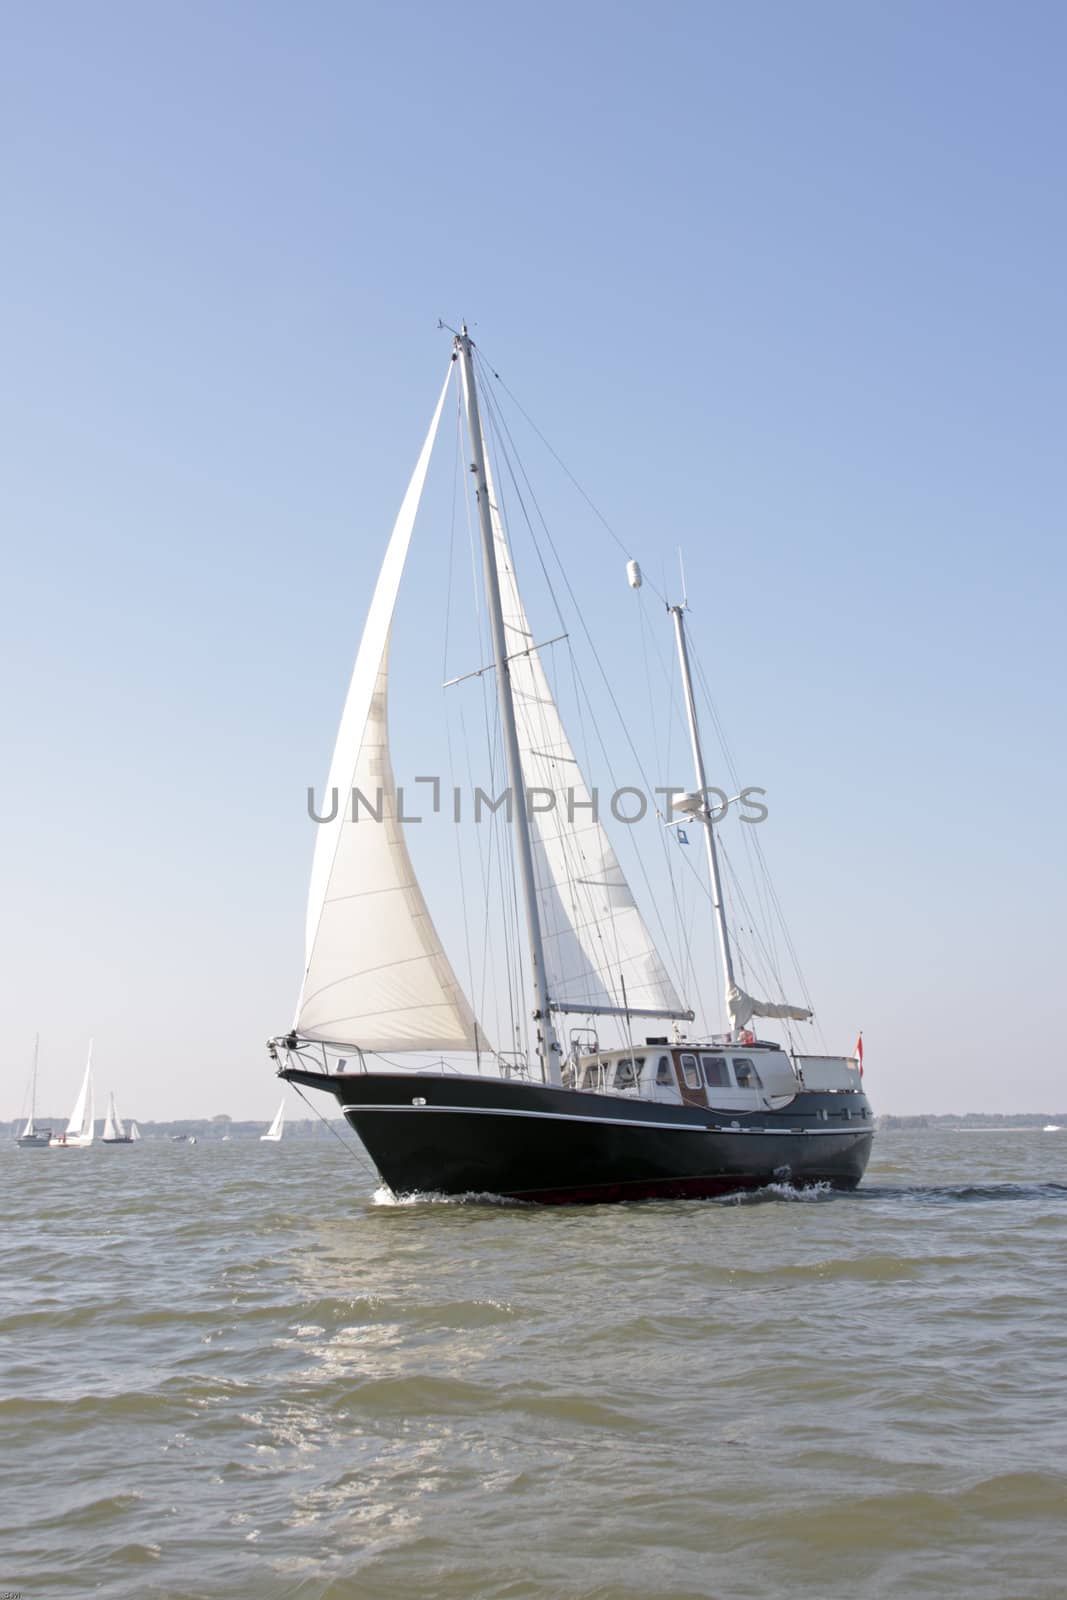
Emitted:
pixel 611 1122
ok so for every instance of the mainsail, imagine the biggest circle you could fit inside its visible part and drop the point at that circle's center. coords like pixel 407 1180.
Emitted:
pixel 599 954
pixel 377 975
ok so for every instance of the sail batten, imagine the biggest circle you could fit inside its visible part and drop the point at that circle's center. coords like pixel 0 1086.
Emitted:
pixel 377 976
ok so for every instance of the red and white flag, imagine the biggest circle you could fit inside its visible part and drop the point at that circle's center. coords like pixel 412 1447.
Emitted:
pixel 858 1053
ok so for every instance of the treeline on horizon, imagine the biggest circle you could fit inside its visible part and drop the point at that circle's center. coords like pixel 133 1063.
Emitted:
pixel 202 1127
pixel 974 1119
pixel 311 1127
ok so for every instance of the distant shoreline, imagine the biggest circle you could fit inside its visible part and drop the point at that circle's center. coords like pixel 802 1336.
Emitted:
pixel 217 1128
pixel 974 1121
pixel 206 1128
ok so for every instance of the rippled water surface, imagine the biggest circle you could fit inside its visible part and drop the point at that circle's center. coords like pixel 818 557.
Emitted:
pixel 230 1370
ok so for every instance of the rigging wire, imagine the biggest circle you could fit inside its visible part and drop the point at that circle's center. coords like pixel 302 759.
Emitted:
pixel 354 1151
pixel 447 717
pixel 762 874
pixel 594 508
pixel 503 432
pixel 584 911
pixel 772 914
pixel 496 850
pixel 683 923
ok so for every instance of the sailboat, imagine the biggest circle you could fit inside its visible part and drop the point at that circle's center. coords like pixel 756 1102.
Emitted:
pixel 114 1132
pixel 274 1132
pixel 567 1120
pixel 79 1130
pixel 32 1137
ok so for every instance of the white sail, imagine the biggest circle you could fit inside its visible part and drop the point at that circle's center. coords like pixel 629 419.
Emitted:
pixel 599 954
pixel 113 1128
pixel 82 1118
pixel 31 1128
pixel 377 975
pixel 274 1132
pixel 743 1007
pixel 135 1133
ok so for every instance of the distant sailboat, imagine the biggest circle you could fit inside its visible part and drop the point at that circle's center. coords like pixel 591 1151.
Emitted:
pixel 135 1133
pixel 79 1130
pixel 114 1132
pixel 274 1132
pixel 32 1137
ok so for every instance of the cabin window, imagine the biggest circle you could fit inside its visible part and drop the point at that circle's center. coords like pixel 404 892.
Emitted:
pixel 716 1072
pixel 745 1073
pixel 627 1073
pixel 690 1072
pixel 593 1075
pixel 664 1075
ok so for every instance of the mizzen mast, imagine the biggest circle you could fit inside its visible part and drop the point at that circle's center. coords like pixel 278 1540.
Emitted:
pixel 547 1044
pixel 703 813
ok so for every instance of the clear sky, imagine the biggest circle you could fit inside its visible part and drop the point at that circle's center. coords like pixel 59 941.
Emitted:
pixel 783 283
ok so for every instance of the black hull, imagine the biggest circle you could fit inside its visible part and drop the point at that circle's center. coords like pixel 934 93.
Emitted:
pixel 432 1133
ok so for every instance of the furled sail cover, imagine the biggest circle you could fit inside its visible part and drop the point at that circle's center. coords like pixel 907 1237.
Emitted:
pixel 377 975
pixel 595 938
pixel 742 1007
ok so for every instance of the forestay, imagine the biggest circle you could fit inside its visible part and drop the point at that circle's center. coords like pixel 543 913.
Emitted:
pixel 376 974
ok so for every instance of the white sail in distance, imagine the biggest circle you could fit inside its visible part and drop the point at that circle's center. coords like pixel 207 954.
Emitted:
pixel 83 1118
pixel 31 1128
pixel 377 976
pixel 599 953
pixel 274 1132
pixel 112 1129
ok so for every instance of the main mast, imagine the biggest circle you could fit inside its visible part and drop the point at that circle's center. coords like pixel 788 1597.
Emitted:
pixel 677 612
pixel 547 1045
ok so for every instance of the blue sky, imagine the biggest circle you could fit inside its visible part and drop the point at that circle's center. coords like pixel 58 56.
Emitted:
pixel 783 284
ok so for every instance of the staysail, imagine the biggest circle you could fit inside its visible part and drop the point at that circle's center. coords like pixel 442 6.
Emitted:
pixel 599 954
pixel 377 975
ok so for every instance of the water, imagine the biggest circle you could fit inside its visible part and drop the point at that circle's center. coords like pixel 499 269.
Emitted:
pixel 231 1371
